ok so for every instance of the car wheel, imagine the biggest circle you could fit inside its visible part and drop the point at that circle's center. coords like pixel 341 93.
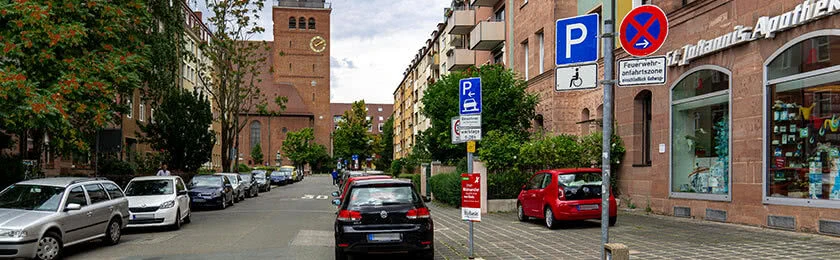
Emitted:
pixel 177 225
pixel 613 220
pixel 224 203
pixel 49 247
pixel 256 193
pixel 113 233
pixel 520 213
pixel 340 254
pixel 550 222
pixel 187 220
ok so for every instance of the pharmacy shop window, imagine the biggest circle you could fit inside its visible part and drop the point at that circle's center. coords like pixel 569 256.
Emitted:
pixel 700 135
pixel 803 128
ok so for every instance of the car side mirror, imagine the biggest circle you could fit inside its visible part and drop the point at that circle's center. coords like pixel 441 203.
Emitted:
pixel 523 187
pixel 335 194
pixel 72 206
pixel 182 192
pixel 336 202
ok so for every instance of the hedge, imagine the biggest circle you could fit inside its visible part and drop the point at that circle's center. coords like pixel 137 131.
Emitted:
pixel 505 185
pixel 415 179
pixel 446 188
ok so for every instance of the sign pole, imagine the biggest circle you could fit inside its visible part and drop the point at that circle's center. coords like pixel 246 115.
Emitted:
pixel 470 170
pixel 608 38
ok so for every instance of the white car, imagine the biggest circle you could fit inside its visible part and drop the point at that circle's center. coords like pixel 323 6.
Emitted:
pixel 158 201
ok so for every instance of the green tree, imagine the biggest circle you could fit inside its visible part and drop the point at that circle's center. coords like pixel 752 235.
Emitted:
pixel 235 62
pixel 386 151
pixel 500 150
pixel 352 136
pixel 297 148
pixel 180 127
pixel 65 64
pixel 507 108
pixel 257 155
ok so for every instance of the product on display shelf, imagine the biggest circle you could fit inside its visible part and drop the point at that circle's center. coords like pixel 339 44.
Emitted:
pixel 815 179
pixel 806 111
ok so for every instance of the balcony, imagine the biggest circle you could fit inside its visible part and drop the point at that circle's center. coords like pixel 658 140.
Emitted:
pixel 461 22
pixel 456 40
pixel 487 35
pixel 483 2
pixel 436 59
pixel 459 59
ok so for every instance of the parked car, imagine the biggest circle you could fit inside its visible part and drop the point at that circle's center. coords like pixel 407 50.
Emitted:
pixel 211 191
pixel 263 182
pixel 292 173
pixel 238 188
pixel 158 201
pixel 349 182
pixel 279 178
pixel 39 217
pixel 563 194
pixel 250 186
pixel 383 216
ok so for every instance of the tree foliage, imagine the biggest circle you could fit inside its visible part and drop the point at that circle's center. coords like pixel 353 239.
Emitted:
pixel 500 150
pixel 181 129
pixel 352 136
pixel 257 155
pixel 65 64
pixel 386 152
pixel 507 108
pixel 301 149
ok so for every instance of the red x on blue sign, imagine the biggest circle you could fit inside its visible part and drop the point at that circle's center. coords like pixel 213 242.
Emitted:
pixel 643 30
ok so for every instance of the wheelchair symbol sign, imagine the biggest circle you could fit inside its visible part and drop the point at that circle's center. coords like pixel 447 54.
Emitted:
pixel 576 77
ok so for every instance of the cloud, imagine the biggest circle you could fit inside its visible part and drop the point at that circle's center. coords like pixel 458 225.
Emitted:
pixel 340 64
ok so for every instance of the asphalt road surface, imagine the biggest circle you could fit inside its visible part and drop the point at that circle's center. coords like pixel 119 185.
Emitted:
pixel 290 222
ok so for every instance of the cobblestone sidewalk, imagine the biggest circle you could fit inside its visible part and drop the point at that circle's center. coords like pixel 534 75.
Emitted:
pixel 501 236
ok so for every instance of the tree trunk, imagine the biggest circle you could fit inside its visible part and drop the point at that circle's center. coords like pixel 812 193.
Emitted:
pixel 226 145
pixel 236 144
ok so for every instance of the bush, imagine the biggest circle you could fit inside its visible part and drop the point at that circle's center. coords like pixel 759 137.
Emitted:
pixel 243 168
pixel 499 150
pixel 505 185
pixel 592 147
pixel 415 179
pixel 396 167
pixel 118 171
pixel 562 151
pixel 446 188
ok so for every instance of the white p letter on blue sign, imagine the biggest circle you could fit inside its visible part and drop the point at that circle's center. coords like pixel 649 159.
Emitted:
pixel 577 39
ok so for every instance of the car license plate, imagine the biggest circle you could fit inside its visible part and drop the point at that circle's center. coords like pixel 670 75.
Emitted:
pixel 385 237
pixel 143 216
pixel 198 200
pixel 588 207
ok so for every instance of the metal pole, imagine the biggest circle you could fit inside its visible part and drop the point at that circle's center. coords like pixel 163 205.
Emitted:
pixel 470 170
pixel 609 41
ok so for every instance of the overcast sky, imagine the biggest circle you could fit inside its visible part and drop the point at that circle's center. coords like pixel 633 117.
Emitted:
pixel 372 42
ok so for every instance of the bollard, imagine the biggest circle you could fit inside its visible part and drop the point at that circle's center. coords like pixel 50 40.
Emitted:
pixel 616 251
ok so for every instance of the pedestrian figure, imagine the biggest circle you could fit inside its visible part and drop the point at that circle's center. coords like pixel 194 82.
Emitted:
pixel 163 171
pixel 335 177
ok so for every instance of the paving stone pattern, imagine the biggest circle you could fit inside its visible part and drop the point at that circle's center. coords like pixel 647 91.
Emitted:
pixel 502 236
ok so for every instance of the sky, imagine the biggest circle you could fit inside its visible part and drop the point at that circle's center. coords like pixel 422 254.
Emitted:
pixel 372 42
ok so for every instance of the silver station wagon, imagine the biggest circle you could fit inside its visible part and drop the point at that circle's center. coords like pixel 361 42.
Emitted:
pixel 38 218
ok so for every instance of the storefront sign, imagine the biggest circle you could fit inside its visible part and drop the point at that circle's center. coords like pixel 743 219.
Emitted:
pixel 471 197
pixel 765 27
pixel 644 71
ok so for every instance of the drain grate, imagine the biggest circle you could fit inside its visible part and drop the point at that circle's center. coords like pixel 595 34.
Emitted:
pixel 716 215
pixel 830 227
pixel 782 222
pixel 684 212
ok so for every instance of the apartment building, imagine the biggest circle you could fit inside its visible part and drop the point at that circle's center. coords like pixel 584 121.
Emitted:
pixel 378 113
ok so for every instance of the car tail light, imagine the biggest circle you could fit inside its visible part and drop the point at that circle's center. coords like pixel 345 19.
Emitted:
pixel 349 215
pixel 561 194
pixel 417 213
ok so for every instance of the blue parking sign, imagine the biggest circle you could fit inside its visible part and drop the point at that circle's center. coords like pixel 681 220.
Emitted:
pixel 577 39
pixel 469 102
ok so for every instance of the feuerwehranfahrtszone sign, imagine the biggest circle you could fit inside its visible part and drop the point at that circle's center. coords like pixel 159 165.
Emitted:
pixel 642 71
pixel 471 197
pixel 465 128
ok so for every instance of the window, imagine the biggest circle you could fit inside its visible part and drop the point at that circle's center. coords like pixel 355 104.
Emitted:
pixel 584 121
pixel 292 23
pixel 641 128
pixel 803 132
pixel 142 111
pixel 96 193
pixel 380 110
pixel 152 115
pixel 536 181
pixel 541 61
pixel 302 23
pixel 77 195
pixel 546 181
pixel 700 134
pixel 113 190
pixel 381 118
pixel 367 118
pixel 255 133
pixel 311 23
pixel 525 47
pixel 130 108
pixel 380 127
pixel 500 14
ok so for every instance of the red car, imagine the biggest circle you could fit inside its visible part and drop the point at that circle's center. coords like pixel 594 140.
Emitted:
pixel 349 182
pixel 563 194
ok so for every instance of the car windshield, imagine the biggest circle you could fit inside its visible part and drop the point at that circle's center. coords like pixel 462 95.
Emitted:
pixel 149 188
pixel 277 174
pixel 245 177
pixel 206 181
pixel 579 179
pixel 259 175
pixel 286 170
pixel 379 196
pixel 31 197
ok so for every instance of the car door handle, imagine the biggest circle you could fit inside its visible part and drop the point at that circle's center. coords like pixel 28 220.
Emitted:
pixel 89 213
pixel 111 208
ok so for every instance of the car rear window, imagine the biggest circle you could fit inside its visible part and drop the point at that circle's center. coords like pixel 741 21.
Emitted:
pixel 379 196
pixel 113 190
pixel 579 179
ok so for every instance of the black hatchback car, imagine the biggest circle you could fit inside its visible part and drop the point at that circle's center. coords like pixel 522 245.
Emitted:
pixel 211 191
pixel 383 216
